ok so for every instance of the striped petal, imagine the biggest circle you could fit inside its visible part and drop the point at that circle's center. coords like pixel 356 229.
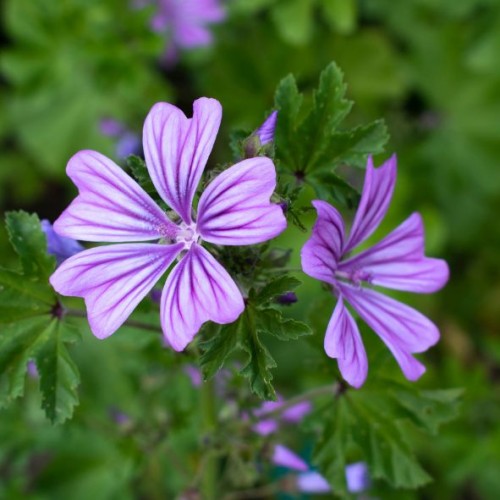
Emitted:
pixel 375 199
pixel 403 329
pixel 113 279
pixel 111 206
pixel 322 252
pixel 197 290
pixel 177 149
pixel 343 341
pixel 398 261
pixel 235 208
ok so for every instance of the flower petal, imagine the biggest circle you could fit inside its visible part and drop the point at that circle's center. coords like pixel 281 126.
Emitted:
pixel 197 290
pixel 322 252
pixel 235 208
pixel 403 329
pixel 357 477
pixel 312 482
pixel 375 199
pixel 111 206
pixel 59 246
pixel 177 149
pixel 343 341
pixel 398 261
pixel 113 279
pixel 285 457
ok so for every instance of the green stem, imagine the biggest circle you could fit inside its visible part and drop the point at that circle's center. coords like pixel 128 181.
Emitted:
pixel 209 418
pixel 76 313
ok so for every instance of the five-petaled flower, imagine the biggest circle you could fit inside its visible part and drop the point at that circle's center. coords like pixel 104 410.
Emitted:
pixel 396 262
pixel 234 209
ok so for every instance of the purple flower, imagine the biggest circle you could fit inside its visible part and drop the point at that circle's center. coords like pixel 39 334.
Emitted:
pixel 284 457
pixel 186 22
pixel 357 477
pixel 32 369
pixel 312 482
pixel 397 262
pixel 233 210
pixel 265 132
pixel 59 246
pixel 127 143
pixel 194 375
pixel 294 414
pixel 287 299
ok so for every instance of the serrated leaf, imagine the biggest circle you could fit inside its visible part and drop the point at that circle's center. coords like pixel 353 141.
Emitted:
pixel 223 340
pixel 31 326
pixel 370 422
pixel 276 287
pixel 241 335
pixel 259 360
pixel 272 322
pixel 59 377
pixel 288 102
pixel 28 240
pixel 317 142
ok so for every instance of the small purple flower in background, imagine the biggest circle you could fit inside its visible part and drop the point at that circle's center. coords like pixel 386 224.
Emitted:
pixel 234 209
pixel 127 143
pixel 357 477
pixel 312 482
pixel 194 375
pixel 60 247
pixel 32 369
pixel 186 23
pixel 284 457
pixel 397 262
pixel 287 299
pixel 293 415
pixel 356 474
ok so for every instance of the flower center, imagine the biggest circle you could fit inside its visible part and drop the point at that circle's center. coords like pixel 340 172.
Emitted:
pixel 354 276
pixel 187 234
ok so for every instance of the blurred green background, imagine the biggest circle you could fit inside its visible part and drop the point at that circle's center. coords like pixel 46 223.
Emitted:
pixel 430 68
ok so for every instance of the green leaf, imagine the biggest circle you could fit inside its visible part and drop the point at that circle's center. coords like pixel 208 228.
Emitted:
pixel 223 340
pixel 370 424
pixel 276 287
pixel 28 240
pixel 242 335
pixel 140 173
pixel 288 101
pixel 259 361
pixel 317 143
pixel 272 322
pixel 31 327
pixel 294 20
pixel 59 377
pixel 330 186
pixel 340 14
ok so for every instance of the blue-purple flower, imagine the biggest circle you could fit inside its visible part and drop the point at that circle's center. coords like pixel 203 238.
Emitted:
pixel 60 247
pixel 234 209
pixel 396 262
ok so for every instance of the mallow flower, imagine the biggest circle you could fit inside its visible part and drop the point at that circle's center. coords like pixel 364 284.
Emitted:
pixel 60 247
pixel 396 262
pixel 234 209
